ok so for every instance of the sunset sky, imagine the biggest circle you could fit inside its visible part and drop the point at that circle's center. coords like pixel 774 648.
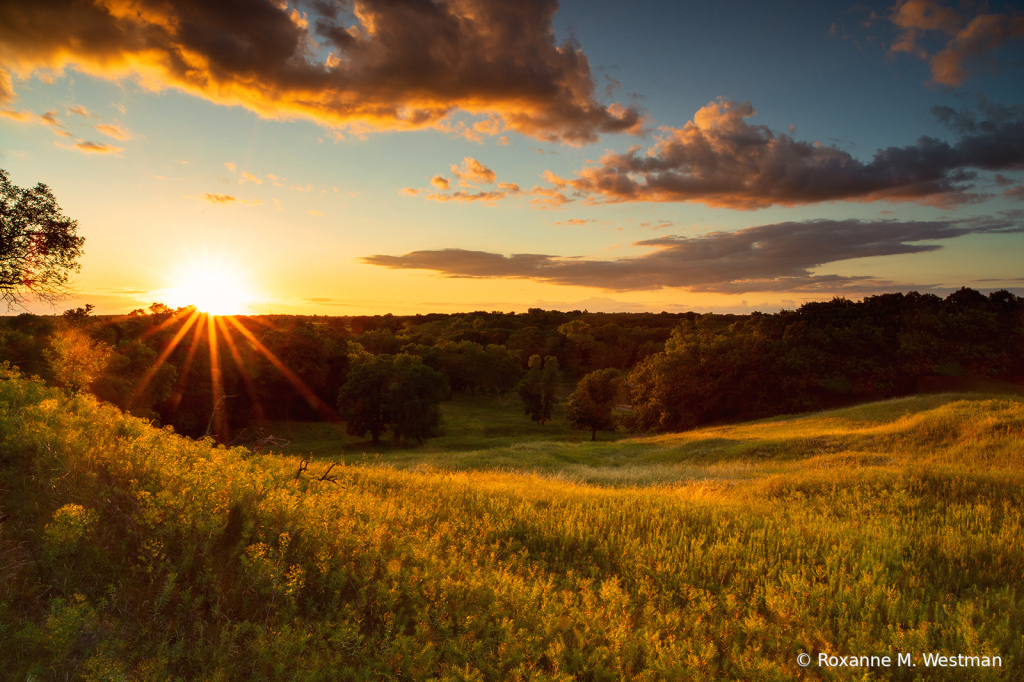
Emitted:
pixel 409 156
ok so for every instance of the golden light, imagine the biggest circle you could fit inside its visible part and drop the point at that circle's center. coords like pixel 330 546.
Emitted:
pixel 217 290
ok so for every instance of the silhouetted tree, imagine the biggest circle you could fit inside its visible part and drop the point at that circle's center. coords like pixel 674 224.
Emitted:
pixel 38 246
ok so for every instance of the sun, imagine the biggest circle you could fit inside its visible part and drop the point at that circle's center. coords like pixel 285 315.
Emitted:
pixel 213 290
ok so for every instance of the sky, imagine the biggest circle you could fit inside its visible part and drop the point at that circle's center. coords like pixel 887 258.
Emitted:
pixel 409 156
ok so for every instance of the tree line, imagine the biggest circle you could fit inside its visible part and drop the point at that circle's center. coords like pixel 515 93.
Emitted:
pixel 386 373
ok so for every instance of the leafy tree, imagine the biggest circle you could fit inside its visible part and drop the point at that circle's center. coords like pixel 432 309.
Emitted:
pixel 590 405
pixel 363 399
pixel 537 389
pixel 75 359
pixel 392 391
pixel 414 398
pixel 38 246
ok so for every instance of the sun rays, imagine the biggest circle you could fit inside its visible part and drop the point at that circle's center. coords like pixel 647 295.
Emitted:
pixel 220 337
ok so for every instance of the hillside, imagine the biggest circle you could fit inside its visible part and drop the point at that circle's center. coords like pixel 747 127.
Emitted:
pixel 129 552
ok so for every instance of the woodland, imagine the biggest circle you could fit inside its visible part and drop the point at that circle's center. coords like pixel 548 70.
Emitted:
pixel 384 375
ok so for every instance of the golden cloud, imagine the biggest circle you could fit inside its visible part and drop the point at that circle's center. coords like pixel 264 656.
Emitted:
pixel 385 66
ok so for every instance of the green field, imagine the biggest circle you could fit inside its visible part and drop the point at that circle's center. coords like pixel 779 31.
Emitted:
pixel 508 551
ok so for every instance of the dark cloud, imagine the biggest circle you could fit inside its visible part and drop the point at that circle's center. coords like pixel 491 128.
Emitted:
pixel 721 160
pixel 776 257
pixel 376 64
pixel 1016 193
pixel 965 36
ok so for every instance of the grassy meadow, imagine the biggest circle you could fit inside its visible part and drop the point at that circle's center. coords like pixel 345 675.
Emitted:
pixel 509 551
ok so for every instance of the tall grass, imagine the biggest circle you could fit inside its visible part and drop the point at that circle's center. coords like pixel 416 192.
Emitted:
pixel 132 553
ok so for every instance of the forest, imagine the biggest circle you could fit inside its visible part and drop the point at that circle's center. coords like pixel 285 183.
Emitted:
pixel 385 374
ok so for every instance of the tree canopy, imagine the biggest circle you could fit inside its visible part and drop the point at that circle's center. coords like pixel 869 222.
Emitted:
pixel 39 247
pixel 590 406
pixel 537 389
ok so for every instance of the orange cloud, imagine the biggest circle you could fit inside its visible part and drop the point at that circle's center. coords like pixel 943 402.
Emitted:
pixel 489 198
pixel 218 198
pixel 115 131
pixel 87 147
pixel 545 198
pixel 398 66
pixel 21 116
pixel 440 182
pixel 473 171
pixel 968 37
pixel 80 111
pixel 250 177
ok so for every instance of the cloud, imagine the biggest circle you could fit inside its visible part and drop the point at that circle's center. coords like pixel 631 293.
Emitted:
pixel 467 197
pixel 20 116
pixel 545 198
pixel 720 160
pixel 6 88
pixel 230 165
pixel 472 171
pixel 775 257
pixel 409 191
pixel 575 221
pixel 250 177
pixel 1016 193
pixel 967 36
pixel 115 131
pixel 79 110
pixel 218 198
pixel 440 182
pixel 87 147
pixel 394 65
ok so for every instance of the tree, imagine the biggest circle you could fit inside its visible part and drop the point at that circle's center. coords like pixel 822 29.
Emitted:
pixel 75 359
pixel 38 246
pixel 392 391
pixel 363 399
pixel 537 389
pixel 415 397
pixel 590 405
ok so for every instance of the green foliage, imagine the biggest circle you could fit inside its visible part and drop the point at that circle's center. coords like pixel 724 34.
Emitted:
pixel 825 354
pixel 538 386
pixel 415 396
pixel 75 360
pixel 39 248
pixel 590 406
pixel 396 392
pixel 891 527
pixel 363 400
